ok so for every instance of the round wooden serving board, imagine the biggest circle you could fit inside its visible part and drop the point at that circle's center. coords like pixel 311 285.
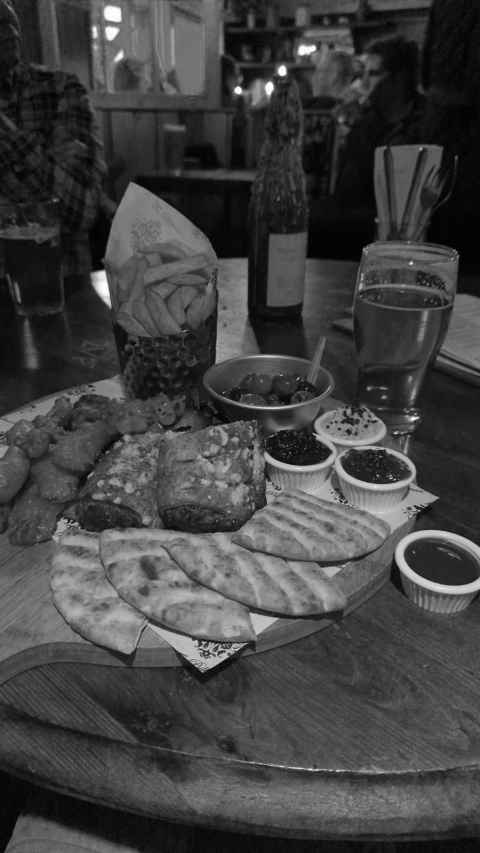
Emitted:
pixel 34 633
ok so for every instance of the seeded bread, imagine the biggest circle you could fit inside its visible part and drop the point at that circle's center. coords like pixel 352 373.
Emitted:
pixel 121 491
pixel 213 479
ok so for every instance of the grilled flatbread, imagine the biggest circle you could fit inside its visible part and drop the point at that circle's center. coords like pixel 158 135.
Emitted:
pixel 87 600
pixel 299 526
pixel 261 581
pixel 146 576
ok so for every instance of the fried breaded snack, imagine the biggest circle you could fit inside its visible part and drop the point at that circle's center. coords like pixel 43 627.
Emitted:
pixel 33 519
pixel 90 408
pixel 14 470
pixel 57 418
pixel 33 440
pixel 78 451
pixel 54 483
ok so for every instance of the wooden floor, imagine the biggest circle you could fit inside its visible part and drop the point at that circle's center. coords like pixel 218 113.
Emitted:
pixel 184 840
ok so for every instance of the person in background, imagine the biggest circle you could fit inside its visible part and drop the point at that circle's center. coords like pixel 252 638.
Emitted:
pixel 48 142
pixel 390 115
pixel 230 78
pixel 451 81
pixel 130 75
pixel 333 81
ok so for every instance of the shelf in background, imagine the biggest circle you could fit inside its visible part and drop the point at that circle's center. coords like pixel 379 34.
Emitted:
pixel 305 66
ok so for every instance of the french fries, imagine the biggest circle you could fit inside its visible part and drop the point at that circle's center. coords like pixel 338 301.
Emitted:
pixel 167 271
pixel 161 290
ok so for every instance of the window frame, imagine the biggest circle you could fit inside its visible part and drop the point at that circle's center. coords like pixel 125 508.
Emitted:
pixel 146 101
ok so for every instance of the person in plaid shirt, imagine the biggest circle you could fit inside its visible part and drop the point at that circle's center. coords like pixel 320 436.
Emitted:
pixel 48 142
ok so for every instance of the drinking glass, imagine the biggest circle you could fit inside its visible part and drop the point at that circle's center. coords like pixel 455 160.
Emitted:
pixel 174 136
pixel 30 238
pixel 403 301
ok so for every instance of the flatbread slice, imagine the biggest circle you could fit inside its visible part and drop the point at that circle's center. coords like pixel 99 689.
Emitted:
pixel 145 575
pixel 87 600
pixel 261 581
pixel 299 526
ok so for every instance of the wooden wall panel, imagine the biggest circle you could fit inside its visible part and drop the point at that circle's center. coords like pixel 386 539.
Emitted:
pixel 135 138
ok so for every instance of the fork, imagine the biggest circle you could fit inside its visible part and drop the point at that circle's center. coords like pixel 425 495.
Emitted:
pixel 431 193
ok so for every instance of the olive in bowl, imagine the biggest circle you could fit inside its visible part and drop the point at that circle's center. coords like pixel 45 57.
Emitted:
pixel 298 459
pixel 439 570
pixel 374 478
pixel 276 392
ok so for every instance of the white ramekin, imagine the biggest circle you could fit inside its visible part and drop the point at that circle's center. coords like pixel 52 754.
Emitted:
pixel 374 497
pixel 436 597
pixel 305 477
pixel 342 441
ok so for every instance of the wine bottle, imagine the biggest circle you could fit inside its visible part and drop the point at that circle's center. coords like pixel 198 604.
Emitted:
pixel 278 212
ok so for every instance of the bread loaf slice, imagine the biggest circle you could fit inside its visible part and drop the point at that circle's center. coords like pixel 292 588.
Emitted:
pixel 212 479
pixel 122 490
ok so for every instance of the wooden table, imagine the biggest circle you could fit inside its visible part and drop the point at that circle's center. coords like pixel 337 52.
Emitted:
pixel 369 729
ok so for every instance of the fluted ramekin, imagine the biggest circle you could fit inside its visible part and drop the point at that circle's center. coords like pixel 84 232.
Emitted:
pixel 428 594
pixel 305 477
pixel 374 497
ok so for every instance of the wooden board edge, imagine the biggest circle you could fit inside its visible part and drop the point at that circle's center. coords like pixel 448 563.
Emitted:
pixel 360 580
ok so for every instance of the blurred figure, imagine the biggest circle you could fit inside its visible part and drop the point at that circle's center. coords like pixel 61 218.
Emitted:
pixel 390 115
pixel 130 75
pixel 334 79
pixel 451 80
pixel 48 142
pixel 230 78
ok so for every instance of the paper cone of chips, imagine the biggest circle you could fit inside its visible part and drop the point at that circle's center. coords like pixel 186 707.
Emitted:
pixel 161 269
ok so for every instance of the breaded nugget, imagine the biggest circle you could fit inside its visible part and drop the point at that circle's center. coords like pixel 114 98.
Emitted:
pixel 89 408
pixel 130 416
pixel 57 417
pixel 34 441
pixel 78 451
pixel 14 470
pixel 54 483
pixel 32 518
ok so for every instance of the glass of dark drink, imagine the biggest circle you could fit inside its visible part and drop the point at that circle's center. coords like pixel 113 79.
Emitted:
pixel 403 301
pixel 30 237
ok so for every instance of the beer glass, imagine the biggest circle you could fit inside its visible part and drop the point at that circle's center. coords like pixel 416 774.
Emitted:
pixel 403 300
pixel 174 136
pixel 30 240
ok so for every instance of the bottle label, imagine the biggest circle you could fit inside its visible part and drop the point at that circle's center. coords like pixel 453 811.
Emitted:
pixel 286 269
